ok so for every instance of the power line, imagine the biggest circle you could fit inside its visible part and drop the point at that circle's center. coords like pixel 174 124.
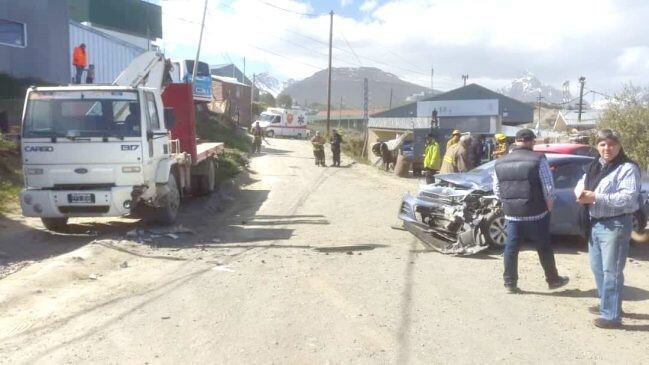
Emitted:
pixel 351 49
pixel 288 10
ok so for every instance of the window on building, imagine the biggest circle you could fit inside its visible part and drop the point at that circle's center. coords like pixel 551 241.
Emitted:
pixel 13 34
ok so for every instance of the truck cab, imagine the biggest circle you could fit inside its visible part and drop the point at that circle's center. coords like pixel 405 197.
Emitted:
pixel 182 72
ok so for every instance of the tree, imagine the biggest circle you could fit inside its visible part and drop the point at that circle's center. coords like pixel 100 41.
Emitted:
pixel 628 114
pixel 267 98
pixel 284 101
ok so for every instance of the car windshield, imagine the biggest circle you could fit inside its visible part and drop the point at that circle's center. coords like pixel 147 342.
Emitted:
pixel 267 117
pixel 485 167
pixel 82 114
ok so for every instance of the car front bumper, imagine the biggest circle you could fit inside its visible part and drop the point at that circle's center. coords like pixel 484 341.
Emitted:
pixel 468 240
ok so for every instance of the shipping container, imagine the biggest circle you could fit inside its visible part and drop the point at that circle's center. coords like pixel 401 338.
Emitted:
pixel 109 54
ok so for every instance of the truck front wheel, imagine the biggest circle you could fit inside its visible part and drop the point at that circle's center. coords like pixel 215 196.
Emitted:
pixel 55 224
pixel 168 212
pixel 270 134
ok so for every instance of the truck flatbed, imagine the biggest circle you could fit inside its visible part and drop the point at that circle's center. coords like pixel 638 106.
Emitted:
pixel 208 149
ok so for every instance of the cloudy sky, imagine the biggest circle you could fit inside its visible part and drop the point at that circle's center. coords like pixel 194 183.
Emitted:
pixel 493 41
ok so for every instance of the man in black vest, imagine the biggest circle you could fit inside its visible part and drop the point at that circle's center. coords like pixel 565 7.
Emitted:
pixel 523 182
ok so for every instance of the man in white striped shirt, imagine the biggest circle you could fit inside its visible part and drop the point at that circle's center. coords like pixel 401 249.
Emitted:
pixel 609 193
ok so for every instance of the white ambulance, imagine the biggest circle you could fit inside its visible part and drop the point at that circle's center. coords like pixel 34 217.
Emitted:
pixel 284 122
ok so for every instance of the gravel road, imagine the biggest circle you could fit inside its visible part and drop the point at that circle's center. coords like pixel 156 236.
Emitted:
pixel 300 265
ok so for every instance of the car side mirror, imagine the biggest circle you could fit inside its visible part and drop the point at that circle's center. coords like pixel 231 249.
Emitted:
pixel 149 135
pixel 170 118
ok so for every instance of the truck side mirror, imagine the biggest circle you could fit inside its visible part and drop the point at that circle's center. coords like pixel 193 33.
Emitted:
pixel 170 117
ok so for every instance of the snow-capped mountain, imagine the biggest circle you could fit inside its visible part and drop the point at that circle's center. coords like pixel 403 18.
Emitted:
pixel 347 82
pixel 266 82
pixel 527 88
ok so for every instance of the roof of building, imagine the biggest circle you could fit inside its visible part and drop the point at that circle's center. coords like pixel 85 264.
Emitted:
pixel 513 111
pixel 228 80
pixel 590 116
pixel 229 70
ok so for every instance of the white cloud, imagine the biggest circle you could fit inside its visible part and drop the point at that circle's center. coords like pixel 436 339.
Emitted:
pixel 345 3
pixel 492 40
pixel 369 5
pixel 634 59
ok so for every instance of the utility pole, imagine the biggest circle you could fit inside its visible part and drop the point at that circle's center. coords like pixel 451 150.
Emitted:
pixel 331 32
pixel 340 111
pixel 538 102
pixel 464 78
pixel 432 74
pixel 252 99
pixel 243 81
pixel 198 51
pixel 582 80
pixel 390 107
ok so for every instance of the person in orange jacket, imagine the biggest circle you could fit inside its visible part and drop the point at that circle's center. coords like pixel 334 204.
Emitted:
pixel 79 61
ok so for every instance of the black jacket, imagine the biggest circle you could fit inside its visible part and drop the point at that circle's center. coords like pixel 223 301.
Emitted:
pixel 521 191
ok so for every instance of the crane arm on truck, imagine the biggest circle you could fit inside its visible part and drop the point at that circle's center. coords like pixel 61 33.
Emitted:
pixel 150 69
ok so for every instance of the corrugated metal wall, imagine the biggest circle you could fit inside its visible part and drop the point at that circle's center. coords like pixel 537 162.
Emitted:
pixel 109 54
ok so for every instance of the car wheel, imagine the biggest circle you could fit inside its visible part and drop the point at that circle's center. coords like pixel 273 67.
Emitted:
pixel 270 134
pixel 493 229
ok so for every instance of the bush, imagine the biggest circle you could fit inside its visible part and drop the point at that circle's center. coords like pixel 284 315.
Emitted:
pixel 211 128
pixel 628 114
pixel 11 178
pixel 353 147
pixel 229 164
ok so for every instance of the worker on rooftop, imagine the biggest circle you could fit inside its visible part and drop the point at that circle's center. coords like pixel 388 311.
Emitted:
pixel 79 61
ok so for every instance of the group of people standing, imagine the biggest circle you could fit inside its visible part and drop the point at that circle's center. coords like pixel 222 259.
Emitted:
pixel 608 193
pixel 318 141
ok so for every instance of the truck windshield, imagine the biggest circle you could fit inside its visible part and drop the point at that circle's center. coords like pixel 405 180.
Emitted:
pixel 82 114
pixel 203 68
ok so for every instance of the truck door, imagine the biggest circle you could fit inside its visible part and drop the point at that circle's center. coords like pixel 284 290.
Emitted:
pixel 157 139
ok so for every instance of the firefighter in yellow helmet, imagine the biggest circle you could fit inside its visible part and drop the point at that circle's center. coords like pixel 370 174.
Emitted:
pixel 502 148
pixel 455 138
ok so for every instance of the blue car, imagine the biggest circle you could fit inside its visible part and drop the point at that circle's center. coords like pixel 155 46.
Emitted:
pixel 459 214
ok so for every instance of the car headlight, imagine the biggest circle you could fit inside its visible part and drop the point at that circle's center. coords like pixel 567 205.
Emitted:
pixel 34 171
pixel 131 169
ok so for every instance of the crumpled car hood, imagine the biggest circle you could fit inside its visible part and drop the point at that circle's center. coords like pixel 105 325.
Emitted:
pixel 469 180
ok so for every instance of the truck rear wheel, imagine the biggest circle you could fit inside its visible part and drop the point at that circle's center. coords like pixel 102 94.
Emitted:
pixel 55 224
pixel 205 184
pixel 168 212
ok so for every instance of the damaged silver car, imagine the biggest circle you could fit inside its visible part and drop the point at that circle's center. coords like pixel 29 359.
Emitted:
pixel 459 214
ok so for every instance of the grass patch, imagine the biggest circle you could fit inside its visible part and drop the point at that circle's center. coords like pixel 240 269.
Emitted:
pixel 229 164
pixel 213 129
pixel 353 147
pixel 237 144
pixel 11 178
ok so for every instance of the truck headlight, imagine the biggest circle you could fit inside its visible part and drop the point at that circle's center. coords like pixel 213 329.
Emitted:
pixel 34 171
pixel 131 169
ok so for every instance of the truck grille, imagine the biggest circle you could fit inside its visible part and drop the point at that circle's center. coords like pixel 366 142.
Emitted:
pixel 84 210
pixel 83 186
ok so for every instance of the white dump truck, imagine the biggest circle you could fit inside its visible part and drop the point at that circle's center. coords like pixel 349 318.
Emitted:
pixel 113 150
pixel 284 122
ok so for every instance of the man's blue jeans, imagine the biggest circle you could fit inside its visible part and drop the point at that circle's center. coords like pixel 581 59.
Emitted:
pixel 78 75
pixel 608 248
pixel 537 233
